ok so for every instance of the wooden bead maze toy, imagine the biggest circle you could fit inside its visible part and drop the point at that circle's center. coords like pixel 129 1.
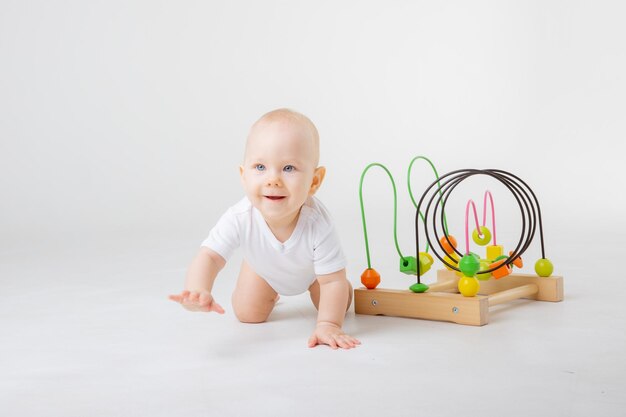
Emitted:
pixel 470 285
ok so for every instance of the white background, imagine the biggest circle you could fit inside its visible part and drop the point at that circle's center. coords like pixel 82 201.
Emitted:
pixel 122 126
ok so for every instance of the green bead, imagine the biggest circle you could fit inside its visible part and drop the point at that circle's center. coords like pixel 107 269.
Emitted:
pixel 484 265
pixel 469 264
pixel 419 287
pixel 543 267
pixel 408 265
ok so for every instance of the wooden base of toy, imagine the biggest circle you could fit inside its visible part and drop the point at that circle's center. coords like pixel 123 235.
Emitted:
pixel 442 301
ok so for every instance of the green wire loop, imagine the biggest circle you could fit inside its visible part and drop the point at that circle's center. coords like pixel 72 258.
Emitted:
pixel 395 211
pixel 395 204
pixel 445 221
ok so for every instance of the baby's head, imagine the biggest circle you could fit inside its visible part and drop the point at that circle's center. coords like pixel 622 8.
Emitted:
pixel 279 170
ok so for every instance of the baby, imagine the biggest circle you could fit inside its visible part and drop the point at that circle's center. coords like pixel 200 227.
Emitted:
pixel 288 239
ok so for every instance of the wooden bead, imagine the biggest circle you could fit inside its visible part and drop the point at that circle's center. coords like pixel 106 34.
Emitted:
pixel 451 258
pixel 446 246
pixel 469 264
pixel 518 261
pixel 370 278
pixel 468 286
pixel 484 238
pixel 493 251
pixel 543 267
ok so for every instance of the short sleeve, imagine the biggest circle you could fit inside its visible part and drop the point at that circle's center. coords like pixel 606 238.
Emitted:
pixel 224 237
pixel 328 257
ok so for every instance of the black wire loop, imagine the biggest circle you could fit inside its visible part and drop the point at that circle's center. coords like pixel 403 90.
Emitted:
pixel 436 197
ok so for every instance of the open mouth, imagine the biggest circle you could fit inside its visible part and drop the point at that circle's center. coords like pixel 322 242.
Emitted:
pixel 275 197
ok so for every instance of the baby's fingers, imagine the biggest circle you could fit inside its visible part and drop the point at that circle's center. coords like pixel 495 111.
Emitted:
pixel 347 342
pixel 312 341
pixel 175 297
pixel 329 340
pixel 217 308
pixel 179 298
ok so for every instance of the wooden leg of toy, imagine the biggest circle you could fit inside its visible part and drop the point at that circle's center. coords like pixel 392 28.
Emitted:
pixel 441 302
pixel 523 291
pixel 550 288
pixel 447 285
pixel 431 306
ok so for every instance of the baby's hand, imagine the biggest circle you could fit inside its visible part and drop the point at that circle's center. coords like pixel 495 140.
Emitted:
pixel 197 301
pixel 330 334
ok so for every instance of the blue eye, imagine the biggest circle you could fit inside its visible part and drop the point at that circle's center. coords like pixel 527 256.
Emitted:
pixel 289 168
pixel 259 167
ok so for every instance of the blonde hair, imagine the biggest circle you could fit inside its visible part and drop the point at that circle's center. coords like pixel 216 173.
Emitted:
pixel 285 114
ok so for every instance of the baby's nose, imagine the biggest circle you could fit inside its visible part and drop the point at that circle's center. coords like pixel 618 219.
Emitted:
pixel 274 181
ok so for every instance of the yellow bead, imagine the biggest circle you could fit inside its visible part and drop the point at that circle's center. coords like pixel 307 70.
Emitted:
pixel 468 286
pixel 452 259
pixel 493 251
pixel 425 262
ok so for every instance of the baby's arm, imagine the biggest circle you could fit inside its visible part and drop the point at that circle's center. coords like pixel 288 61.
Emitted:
pixel 199 282
pixel 334 296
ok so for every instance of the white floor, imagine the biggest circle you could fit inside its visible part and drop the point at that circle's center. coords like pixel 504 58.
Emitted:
pixel 89 332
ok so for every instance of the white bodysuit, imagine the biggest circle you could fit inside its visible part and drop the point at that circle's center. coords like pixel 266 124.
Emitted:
pixel 292 266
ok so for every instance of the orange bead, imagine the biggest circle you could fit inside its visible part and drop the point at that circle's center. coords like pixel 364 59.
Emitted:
pixel 501 272
pixel 446 246
pixel 370 278
pixel 518 261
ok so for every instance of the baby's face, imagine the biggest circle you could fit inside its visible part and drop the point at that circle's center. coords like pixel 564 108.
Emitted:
pixel 279 170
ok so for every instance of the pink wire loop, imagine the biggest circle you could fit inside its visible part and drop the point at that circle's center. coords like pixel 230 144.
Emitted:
pixel 470 203
pixel 493 214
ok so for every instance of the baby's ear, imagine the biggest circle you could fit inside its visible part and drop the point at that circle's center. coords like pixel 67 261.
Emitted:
pixel 241 172
pixel 318 178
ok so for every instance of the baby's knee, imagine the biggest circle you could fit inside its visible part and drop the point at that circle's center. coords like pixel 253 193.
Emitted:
pixel 249 316
pixel 251 312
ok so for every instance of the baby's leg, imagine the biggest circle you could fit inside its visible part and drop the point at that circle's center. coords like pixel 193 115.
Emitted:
pixel 253 299
pixel 314 292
